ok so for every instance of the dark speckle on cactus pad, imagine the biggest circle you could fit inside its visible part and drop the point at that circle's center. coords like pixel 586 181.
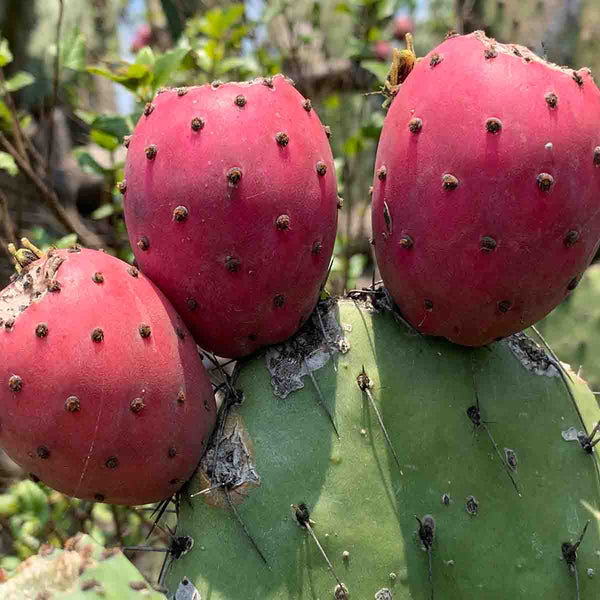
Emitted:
pixel 41 330
pixel 240 100
pixel 180 214
pixel 472 505
pixel 97 335
pixel 415 125
pixel 493 125
pixel 72 404
pixel 197 123
pixel 150 151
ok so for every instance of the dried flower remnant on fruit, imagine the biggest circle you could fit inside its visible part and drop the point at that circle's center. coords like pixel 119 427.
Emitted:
pixel 72 404
pixel 282 139
pixel 180 213
pixel 182 91
pixel 268 81
pixel 340 202
pixel 197 123
pixel 578 78
pixel 240 100
pixel 150 151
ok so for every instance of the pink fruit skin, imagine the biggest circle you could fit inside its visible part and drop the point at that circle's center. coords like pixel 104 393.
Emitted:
pixel 103 450
pixel 238 279
pixel 382 50
pixel 402 26
pixel 143 37
pixel 451 282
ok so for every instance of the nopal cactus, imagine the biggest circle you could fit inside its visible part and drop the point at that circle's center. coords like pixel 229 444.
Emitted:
pixel 453 469
pixel 485 194
pixel 230 200
pixel 103 395
pixel 83 570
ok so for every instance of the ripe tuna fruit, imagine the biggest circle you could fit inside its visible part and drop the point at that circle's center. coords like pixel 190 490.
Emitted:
pixel 231 208
pixel 485 198
pixel 102 392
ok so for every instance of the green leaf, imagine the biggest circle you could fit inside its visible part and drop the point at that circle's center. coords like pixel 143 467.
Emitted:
pixel 104 211
pixel 115 125
pixel 247 64
pixel 66 241
pixel 73 52
pixel 386 8
pixel 105 140
pixel 130 76
pixel 379 69
pixel 145 57
pixel 166 64
pixel 87 162
pixel 19 80
pixel 5 53
pixel 7 162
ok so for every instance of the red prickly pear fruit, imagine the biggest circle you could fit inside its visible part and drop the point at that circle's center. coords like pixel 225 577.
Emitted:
pixel 234 217
pixel 485 198
pixel 402 26
pixel 103 395
pixel 142 37
pixel 382 49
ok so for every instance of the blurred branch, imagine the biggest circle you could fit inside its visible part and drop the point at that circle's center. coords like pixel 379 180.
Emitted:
pixel 70 220
pixel 54 85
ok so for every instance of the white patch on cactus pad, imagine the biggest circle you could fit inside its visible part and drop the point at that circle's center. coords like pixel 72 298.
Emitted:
pixel 532 356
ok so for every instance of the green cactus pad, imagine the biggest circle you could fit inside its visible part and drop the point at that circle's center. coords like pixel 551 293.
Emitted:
pixel 279 448
pixel 572 328
pixel 83 570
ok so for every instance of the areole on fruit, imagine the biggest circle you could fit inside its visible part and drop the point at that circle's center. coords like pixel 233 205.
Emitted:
pixel 496 189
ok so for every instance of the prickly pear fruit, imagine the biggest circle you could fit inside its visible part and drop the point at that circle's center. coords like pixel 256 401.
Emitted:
pixel 231 208
pixel 83 570
pixel 485 197
pixel 102 392
pixel 485 540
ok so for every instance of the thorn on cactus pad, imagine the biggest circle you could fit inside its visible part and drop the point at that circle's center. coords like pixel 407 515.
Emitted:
pixel 415 125
pixel 97 335
pixel 449 181
pixel 240 100
pixel 143 243
pixel 545 181
pixel 112 462
pixel 278 301
pixel 197 123
pixel 150 151
pixel 307 105
pixel 488 244
pixel 43 452
pixel 72 404
pixel 192 304
pixel 493 125
pixel 234 175
pixel 283 222
pixel 145 330
pixel 15 383
pixel 148 109
pixel 41 330
pixel 321 168
pixel 435 60
pixel 406 241
pixel 382 173
pixel 232 264
pixel 136 405
pixel 426 534
pixel 282 138
pixel 551 99
pixel 571 238
pixel 569 553
pixel 98 277
pixel 180 213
